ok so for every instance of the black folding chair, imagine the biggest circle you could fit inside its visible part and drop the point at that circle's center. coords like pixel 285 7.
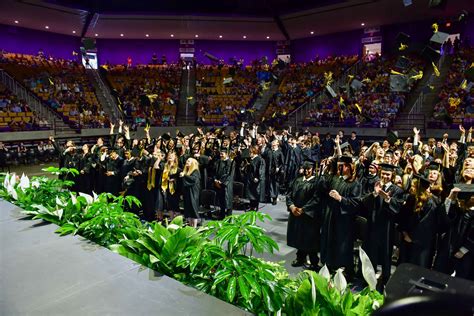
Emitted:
pixel 208 203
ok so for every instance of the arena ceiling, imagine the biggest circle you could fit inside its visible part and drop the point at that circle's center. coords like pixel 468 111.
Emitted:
pixel 212 19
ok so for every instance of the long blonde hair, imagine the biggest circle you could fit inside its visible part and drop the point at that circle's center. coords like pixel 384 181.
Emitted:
pixel 188 170
pixel 171 168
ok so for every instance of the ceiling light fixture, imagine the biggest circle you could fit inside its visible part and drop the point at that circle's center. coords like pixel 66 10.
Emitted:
pixel 16 22
pixel 96 34
pixel 220 36
pixel 73 32
pixel 268 37
pixel 245 36
pixel 172 35
pixel 147 35
pixel 362 24
pixel 196 36
pixel 312 32
pixel 121 34
pixel 46 27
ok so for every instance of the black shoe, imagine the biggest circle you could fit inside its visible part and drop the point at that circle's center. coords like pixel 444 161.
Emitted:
pixel 297 263
pixel 274 201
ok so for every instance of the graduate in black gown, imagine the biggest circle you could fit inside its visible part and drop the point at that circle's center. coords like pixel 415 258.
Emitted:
pixel 419 220
pixel 382 206
pixel 170 185
pixel 292 159
pixel 84 166
pixel 255 177
pixel 112 165
pixel 223 182
pixel 276 169
pixel 191 179
pixel 341 207
pixel 304 219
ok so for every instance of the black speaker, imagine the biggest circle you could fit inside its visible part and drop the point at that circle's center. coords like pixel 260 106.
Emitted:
pixel 412 280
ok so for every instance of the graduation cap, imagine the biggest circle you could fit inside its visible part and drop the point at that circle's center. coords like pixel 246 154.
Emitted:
pixel 423 181
pixel 434 166
pixel 403 38
pixel 387 167
pixel 345 159
pixel 356 84
pixel 398 83
pixel 429 53
pixel 179 134
pixel 467 190
pixel 402 62
pixel 308 164
pixel 166 136
pixel 330 91
pixel 438 39
pixel 469 74
pixel 345 146
pixel 224 150
pixel 392 137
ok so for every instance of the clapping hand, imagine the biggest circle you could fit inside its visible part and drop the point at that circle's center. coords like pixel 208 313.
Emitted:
pixel 335 195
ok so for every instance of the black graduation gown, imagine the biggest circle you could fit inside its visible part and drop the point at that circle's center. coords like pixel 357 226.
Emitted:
pixel 171 201
pixel 191 192
pixel 276 161
pixel 459 233
pixel 292 163
pixel 337 234
pixel 203 166
pixel 380 227
pixel 256 169
pixel 112 183
pixel 83 181
pixel 303 231
pixel 422 228
pixel 225 170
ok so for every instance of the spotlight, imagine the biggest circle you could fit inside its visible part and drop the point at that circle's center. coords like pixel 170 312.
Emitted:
pixel 73 32
pixel 268 37
pixel 312 32
pixel 220 36
pixel 96 34
pixel 121 34
pixel 362 24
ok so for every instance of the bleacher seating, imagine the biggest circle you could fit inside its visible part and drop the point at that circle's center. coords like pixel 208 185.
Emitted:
pixel 61 84
pixel 15 115
pixel 460 110
pixel 147 93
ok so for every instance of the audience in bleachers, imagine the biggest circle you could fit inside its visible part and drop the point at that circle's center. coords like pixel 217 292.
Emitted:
pixel 456 98
pixel 300 82
pixel 148 94
pixel 225 92
pixel 61 84
pixel 373 105
pixel 16 115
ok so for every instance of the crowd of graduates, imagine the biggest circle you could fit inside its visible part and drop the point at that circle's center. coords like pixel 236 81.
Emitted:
pixel 410 199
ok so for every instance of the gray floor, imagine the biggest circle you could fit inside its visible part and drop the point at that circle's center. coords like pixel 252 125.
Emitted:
pixel 43 274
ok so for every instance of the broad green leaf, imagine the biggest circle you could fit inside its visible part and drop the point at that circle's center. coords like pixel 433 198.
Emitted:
pixel 243 287
pixel 231 287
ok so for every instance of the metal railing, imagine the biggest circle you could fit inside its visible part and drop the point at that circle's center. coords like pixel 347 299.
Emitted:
pixel 418 105
pixel 33 101
pixel 104 90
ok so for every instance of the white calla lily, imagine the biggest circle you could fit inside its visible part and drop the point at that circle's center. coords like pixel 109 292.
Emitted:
pixel 12 192
pixel 324 272
pixel 368 270
pixel 35 184
pixel 13 179
pixel 95 196
pixel 73 198
pixel 41 208
pixel 24 182
pixel 59 202
pixel 313 289
pixel 59 212
pixel 6 181
pixel 340 282
pixel 89 199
